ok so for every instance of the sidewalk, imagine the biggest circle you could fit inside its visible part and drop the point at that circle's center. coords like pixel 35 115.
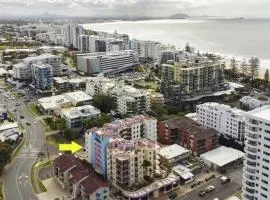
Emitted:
pixel 53 191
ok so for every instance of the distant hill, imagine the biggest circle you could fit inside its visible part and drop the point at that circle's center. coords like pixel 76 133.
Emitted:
pixel 179 16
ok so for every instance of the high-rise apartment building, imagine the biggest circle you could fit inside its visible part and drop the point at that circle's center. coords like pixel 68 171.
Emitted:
pixel 107 62
pixel 71 34
pixel 42 76
pixel 256 178
pixel 23 70
pixel 97 140
pixel 84 43
pixel 130 100
pixel 228 121
pixel 192 77
pixel 128 162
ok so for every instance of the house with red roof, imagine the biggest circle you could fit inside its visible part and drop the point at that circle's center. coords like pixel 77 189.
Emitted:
pixel 78 179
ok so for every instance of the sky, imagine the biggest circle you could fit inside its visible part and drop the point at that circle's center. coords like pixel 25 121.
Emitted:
pixel 230 8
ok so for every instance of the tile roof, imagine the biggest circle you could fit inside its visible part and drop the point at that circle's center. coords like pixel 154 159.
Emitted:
pixel 93 183
pixel 190 126
pixel 79 171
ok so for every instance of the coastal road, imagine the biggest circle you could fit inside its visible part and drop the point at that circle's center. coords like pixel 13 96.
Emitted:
pixel 17 184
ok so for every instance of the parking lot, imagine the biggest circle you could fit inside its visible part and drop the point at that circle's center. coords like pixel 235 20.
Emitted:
pixel 222 191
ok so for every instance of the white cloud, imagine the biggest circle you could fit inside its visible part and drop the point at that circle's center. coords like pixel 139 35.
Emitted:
pixel 133 7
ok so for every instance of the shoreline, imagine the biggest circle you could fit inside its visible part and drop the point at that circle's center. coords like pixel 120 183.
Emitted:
pixel 179 44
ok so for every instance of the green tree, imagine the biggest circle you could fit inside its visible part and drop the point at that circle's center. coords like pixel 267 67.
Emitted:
pixel 243 67
pixel 254 66
pixel 97 121
pixel 5 154
pixel 60 124
pixel 234 66
pixel 266 77
pixel 69 134
pixel 104 103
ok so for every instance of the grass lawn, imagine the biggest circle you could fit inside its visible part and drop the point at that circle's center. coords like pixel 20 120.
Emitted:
pixel 33 109
pixel 37 185
pixel 55 140
pixel 149 85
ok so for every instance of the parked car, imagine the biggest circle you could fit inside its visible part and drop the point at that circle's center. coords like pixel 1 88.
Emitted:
pixel 210 188
pixel 225 179
pixel 21 116
pixel 202 193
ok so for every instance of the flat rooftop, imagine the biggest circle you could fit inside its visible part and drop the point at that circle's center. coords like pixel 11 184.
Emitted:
pixel 78 96
pixel 222 156
pixel 53 101
pixel 81 111
pixel 8 126
pixel 172 151
pixel 261 113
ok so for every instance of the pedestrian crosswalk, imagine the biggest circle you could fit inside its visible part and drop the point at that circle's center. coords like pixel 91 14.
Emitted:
pixel 29 152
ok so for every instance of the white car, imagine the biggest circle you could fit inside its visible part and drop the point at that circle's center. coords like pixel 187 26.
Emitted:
pixel 210 188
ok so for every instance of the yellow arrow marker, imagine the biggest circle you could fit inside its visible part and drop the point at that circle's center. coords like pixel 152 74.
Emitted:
pixel 73 147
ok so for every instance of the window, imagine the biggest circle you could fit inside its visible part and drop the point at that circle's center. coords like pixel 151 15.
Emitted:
pixel 263 195
pixel 264 181
pixel 267 168
pixel 264 174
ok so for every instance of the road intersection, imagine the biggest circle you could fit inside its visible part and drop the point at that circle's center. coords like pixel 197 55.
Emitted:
pixel 17 183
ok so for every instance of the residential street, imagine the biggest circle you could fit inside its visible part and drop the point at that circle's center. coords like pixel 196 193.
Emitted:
pixel 17 184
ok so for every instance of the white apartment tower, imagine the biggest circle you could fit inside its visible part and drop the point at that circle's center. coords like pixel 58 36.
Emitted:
pixel 71 34
pixel 130 100
pixel 84 43
pixel 228 121
pixel 256 178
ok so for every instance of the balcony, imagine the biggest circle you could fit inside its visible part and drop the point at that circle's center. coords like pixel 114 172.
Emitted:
pixel 252 136
pixel 250 170
pixel 251 157
pixel 251 150
pixel 251 144
pixel 249 177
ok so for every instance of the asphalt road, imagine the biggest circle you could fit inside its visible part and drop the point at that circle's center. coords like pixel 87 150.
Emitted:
pixel 221 191
pixel 17 184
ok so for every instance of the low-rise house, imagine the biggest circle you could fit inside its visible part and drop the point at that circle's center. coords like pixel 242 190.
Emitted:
pixel 48 105
pixel 173 154
pixel 251 102
pixel 78 98
pixel 79 180
pixel 74 116
pixel 64 84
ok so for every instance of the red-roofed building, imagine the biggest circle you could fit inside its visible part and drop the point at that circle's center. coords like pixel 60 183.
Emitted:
pixel 189 134
pixel 80 180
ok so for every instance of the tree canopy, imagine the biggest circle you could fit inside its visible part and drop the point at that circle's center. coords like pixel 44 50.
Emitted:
pixel 5 154
pixel 104 103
